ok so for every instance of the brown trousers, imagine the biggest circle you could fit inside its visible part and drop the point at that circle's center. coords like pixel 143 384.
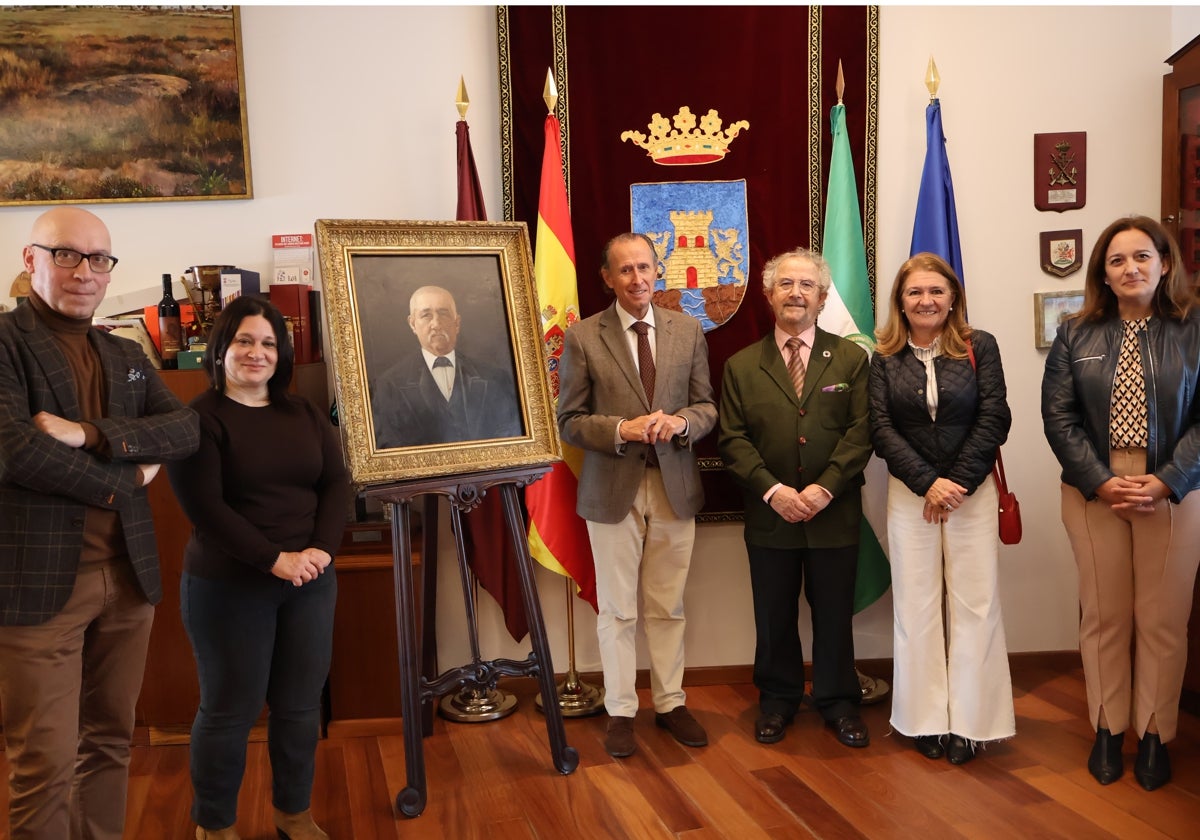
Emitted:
pixel 1135 589
pixel 68 689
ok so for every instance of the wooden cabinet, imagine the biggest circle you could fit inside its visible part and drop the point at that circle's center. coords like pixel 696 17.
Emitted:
pixel 1181 214
pixel 170 690
pixel 1181 151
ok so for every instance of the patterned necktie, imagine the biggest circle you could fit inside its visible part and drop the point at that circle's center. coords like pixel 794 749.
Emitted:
pixel 795 364
pixel 645 359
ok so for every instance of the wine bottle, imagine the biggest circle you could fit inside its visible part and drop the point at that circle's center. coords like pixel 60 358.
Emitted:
pixel 169 331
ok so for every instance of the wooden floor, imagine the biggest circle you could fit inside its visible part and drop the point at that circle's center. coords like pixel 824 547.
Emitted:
pixel 496 780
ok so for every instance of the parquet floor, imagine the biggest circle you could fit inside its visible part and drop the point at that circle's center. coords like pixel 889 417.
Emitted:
pixel 496 780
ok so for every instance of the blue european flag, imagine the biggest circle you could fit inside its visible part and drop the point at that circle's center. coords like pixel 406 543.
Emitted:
pixel 935 228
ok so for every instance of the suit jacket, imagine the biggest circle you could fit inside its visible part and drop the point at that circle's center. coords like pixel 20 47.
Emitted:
pixel 600 386
pixel 409 410
pixel 46 486
pixel 769 435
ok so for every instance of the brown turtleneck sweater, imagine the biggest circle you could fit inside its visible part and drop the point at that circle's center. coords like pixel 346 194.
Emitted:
pixel 102 535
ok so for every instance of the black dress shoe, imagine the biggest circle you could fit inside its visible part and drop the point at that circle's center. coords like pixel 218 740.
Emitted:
pixel 769 728
pixel 1153 766
pixel 959 750
pixel 1105 762
pixel 850 730
pixel 929 746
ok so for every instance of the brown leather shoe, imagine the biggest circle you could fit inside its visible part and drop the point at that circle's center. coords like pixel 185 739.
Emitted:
pixel 217 833
pixel 618 740
pixel 298 826
pixel 683 727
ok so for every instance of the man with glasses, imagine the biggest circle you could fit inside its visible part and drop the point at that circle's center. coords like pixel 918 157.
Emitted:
pixel 85 423
pixel 794 436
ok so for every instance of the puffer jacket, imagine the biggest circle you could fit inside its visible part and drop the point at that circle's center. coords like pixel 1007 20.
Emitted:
pixel 1077 395
pixel 973 417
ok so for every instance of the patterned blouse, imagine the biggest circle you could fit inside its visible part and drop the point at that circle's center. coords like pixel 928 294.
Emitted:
pixel 1128 425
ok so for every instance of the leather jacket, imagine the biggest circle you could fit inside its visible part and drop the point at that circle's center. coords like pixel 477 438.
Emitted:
pixel 973 417
pixel 1077 394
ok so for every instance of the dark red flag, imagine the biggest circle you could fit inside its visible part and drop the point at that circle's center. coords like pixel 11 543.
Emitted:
pixel 489 545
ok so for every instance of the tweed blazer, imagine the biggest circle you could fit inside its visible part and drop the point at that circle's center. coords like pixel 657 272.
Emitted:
pixel 46 486
pixel 600 386
pixel 769 436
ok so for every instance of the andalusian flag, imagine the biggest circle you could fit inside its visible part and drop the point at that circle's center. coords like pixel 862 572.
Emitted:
pixel 558 537
pixel 848 313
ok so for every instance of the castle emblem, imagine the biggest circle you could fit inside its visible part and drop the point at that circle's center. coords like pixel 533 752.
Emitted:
pixel 685 144
pixel 700 231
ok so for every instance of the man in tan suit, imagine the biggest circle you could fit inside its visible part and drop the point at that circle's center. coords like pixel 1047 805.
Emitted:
pixel 635 396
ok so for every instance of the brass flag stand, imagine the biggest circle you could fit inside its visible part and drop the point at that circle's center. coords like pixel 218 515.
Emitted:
pixel 575 697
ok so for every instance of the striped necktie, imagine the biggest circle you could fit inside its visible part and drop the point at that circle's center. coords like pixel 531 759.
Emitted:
pixel 795 364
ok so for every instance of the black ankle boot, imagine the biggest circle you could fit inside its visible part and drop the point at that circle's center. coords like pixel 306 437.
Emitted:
pixel 1153 766
pixel 1105 762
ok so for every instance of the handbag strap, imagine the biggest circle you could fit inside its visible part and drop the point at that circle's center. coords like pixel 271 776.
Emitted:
pixel 998 467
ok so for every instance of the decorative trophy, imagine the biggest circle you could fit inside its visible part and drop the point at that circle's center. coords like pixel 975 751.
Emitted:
pixel 203 287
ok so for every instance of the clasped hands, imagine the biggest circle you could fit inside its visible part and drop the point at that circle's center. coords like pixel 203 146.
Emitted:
pixel 651 428
pixel 70 433
pixel 799 505
pixel 941 499
pixel 300 567
pixel 1132 495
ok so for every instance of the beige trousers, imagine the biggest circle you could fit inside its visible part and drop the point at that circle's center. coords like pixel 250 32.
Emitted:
pixel 649 550
pixel 1135 590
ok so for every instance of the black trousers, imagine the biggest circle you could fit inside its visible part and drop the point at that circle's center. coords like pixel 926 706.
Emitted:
pixel 827 577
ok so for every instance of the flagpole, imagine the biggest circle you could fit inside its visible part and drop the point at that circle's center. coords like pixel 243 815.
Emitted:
pixel 575 697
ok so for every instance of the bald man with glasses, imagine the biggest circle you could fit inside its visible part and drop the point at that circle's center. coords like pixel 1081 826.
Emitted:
pixel 85 423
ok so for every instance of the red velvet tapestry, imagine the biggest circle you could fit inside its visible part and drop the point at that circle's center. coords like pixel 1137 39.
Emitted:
pixel 616 67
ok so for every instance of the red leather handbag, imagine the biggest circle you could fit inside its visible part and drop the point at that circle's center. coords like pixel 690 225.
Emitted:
pixel 1010 508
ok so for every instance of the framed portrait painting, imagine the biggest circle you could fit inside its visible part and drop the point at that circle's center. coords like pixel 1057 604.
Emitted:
pixel 122 103
pixel 1049 310
pixel 434 332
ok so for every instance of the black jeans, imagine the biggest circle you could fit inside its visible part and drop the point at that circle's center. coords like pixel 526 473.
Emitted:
pixel 256 640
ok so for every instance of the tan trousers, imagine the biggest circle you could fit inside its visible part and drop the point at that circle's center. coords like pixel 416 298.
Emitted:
pixel 652 547
pixel 68 689
pixel 1135 590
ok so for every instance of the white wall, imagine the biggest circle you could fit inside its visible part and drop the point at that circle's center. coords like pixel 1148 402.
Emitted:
pixel 352 116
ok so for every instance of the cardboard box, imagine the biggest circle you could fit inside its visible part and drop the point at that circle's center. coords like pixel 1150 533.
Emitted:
pixel 236 282
pixel 292 300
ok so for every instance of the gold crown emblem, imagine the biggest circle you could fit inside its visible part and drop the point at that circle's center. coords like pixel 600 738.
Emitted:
pixel 686 144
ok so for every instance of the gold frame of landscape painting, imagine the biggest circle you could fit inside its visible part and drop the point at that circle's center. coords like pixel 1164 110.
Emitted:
pixel 377 278
pixel 1049 310
pixel 111 104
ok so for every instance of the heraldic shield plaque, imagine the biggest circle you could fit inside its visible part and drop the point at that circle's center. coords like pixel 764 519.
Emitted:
pixel 1060 171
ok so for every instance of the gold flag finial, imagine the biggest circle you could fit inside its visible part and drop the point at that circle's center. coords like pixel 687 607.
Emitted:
pixel 841 82
pixel 932 80
pixel 550 92
pixel 461 102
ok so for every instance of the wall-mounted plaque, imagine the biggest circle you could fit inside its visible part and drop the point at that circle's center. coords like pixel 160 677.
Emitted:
pixel 1060 171
pixel 1061 251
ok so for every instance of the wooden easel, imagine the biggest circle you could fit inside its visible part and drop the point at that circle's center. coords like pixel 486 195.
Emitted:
pixel 418 693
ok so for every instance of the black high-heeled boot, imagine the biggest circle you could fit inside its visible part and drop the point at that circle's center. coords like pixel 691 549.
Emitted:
pixel 1153 766
pixel 1105 762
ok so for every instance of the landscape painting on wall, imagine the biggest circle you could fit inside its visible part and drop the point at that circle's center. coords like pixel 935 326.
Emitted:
pixel 130 103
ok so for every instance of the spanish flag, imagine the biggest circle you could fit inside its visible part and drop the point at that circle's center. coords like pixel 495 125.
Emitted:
pixel 558 537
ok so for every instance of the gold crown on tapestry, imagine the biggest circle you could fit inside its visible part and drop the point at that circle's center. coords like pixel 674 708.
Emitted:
pixel 685 144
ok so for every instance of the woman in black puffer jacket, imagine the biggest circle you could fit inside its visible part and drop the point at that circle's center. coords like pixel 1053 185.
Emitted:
pixel 937 417
pixel 1121 413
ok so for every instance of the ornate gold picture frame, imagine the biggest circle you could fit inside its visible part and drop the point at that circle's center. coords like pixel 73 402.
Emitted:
pixel 400 296
pixel 122 103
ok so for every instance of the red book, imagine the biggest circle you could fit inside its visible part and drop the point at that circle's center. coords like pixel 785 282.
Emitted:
pixel 292 300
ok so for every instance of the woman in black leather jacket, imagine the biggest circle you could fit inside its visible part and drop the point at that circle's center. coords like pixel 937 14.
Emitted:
pixel 1120 412
pixel 937 418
